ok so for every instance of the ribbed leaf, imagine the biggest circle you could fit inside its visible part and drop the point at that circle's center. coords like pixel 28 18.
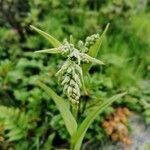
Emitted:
pixel 51 39
pixel 67 116
pixel 79 135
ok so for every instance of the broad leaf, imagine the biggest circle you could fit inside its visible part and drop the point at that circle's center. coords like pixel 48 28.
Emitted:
pixel 55 43
pixel 67 116
pixel 79 135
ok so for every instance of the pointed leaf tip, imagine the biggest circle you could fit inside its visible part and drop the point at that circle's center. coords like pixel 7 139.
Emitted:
pixel 50 38
pixel 51 51
pixel 94 49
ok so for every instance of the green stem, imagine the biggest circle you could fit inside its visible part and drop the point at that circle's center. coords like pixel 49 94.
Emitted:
pixel 75 108
pixel 72 144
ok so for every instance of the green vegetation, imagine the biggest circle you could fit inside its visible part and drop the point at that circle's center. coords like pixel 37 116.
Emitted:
pixel 28 117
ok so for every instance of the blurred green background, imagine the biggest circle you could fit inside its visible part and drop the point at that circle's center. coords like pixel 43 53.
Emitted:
pixel 125 50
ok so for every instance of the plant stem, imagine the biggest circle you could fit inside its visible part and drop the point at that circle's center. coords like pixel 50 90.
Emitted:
pixel 75 108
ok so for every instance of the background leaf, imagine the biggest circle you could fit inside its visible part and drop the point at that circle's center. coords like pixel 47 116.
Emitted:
pixel 15 122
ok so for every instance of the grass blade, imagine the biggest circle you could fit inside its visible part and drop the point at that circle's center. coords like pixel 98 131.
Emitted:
pixel 55 43
pixel 67 116
pixel 79 135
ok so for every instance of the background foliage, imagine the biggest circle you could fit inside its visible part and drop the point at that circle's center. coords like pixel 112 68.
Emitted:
pixel 28 119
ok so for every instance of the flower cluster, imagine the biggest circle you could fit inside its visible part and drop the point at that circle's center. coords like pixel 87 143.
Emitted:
pixel 116 126
pixel 70 73
pixel 90 40
pixel 66 48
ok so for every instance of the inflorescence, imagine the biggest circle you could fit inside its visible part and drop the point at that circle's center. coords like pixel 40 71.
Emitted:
pixel 70 73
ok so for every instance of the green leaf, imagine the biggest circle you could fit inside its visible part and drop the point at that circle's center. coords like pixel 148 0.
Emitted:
pixel 147 112
pixel 15 137
pixel 51 39
pixel 93 51
pixel 14 132
pixel 72 41
pixel 79 135
pixel 93 60
pixel 48 143
pixel 96 47
pixel 51 51
pixel 67 116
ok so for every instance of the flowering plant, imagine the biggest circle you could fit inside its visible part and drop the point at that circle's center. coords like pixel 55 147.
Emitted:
pixel 71 75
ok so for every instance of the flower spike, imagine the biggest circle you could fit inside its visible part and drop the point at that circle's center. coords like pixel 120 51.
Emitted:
pixel 71 74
